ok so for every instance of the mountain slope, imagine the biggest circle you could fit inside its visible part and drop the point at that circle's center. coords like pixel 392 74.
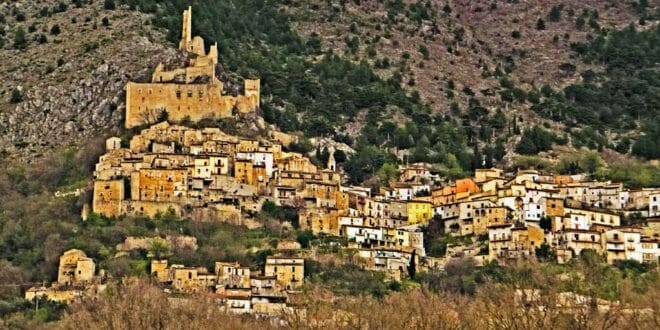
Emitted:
pixel 500 53
pixel 64 84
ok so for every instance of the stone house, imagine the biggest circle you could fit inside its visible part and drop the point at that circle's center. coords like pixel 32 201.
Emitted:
pixel 75 269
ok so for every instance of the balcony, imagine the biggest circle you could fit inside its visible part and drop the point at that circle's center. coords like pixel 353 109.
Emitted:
pixel 614 247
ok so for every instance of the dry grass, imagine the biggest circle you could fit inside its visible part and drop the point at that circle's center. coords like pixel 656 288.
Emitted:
pixel 139 305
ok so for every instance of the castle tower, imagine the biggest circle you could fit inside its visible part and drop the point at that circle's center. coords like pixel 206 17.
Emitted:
pixel 186 31
pixel 252 88
pixel 213 53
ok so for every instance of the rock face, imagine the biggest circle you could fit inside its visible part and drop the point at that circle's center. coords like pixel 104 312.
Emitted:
pixel 331 144
pixel 50 113
pixel 72 86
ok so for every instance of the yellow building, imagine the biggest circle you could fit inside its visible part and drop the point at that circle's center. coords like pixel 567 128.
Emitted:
pixel 191 279
pixel 652 228
pixel 492 185
pixel 108 196
pixel 290 272
pixel 554 207
pixel 294 162
pixel 75 268
pixel 244 171
pixel 486 174
pixel 506 241
pixel 419 211
pixel 489 215
pixel 160 185
pixel 159 270
pixel 321 221
pixel 248 145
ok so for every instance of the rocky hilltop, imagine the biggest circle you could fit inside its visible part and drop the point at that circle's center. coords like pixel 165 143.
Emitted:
pixel 63 81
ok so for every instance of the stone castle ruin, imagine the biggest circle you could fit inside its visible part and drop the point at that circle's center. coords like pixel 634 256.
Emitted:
pixel 190 93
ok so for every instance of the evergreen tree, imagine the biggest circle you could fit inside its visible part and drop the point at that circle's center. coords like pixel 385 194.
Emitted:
pixel 477 159
pixel 499 120
pixel 109 5
pixel 535 140
pixel 545 223
pixel 16 96
pixel 540 24
pixel 544 252
pixel 412 267
pixel 19 38
pixel 555 14
pixel 499 151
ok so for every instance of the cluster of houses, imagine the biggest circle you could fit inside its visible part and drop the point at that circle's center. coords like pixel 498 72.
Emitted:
pixel 197 173
pixel 205 174
pixel 568 213
pixel 237 288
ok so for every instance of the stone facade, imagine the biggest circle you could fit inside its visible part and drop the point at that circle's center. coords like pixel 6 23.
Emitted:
pixel 108 197
pixel 75 268
pixel 190 93
pixel 289 272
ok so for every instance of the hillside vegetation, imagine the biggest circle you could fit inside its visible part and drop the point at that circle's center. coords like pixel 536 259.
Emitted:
pixel 474 58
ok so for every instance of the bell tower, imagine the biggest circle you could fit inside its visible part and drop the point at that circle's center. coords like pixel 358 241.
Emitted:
pixel 332 164
pixel 186 31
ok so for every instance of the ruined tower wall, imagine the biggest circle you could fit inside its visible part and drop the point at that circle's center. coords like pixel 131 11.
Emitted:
pixel 186 30
pixel 145 102
pixel 192 93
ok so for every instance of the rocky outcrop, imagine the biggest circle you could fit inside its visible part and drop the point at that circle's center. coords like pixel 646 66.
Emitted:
pixel 73 85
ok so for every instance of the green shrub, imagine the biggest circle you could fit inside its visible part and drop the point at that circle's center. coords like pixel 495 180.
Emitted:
pixel 20 41
pixel 55 30
pixel 16 96
pixel 109 5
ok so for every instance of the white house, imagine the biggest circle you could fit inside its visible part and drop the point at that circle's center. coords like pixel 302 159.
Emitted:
pixel 654 204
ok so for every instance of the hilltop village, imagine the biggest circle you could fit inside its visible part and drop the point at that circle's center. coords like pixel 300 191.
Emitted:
pixel 204 174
